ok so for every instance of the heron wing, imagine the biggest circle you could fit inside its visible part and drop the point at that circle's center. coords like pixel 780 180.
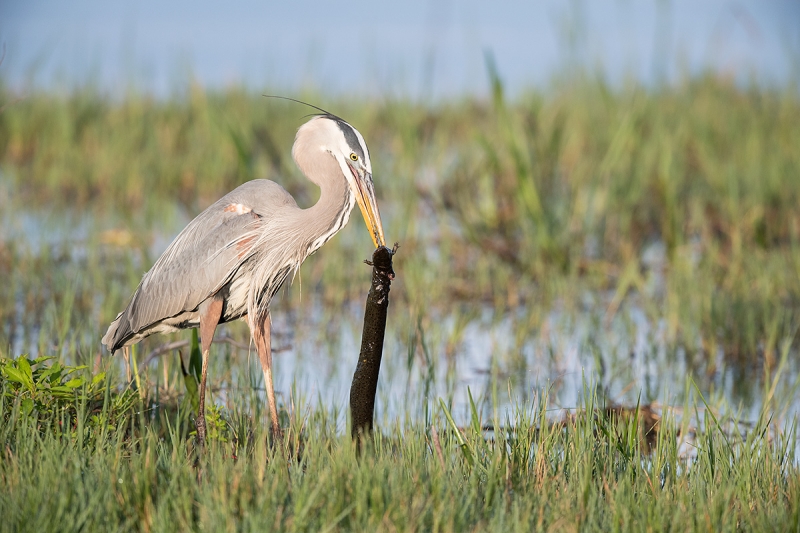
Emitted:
pixel 202 258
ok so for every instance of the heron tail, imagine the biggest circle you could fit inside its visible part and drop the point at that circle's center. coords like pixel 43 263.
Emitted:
pixel 116 336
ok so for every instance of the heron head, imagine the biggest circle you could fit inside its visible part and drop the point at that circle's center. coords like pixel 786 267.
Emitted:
pixel 341 140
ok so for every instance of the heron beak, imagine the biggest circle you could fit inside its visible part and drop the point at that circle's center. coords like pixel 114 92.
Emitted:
pixel 365 196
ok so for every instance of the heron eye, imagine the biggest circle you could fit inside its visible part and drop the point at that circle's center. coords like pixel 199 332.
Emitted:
pixel 354 157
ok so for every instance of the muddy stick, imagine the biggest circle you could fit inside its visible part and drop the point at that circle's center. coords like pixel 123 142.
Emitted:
pixel 365 378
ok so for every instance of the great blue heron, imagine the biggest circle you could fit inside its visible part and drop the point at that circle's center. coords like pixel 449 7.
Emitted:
pixel 230 261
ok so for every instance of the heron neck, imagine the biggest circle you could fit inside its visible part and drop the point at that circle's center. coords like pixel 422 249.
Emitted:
pixel 332 211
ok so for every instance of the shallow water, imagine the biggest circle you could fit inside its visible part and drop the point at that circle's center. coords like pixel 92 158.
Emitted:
pixel 494 356
pixel 571 359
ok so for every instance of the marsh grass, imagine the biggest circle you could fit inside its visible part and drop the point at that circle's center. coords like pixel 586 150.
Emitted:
pixel 684 198
pixel 590 473
pixel 679 203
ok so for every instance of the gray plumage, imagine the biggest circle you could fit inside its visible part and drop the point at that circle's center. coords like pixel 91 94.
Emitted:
pixel 249 241
pixel 209 255
pixel 240 250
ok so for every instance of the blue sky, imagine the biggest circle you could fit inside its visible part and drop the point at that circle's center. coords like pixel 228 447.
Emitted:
pixel 418 49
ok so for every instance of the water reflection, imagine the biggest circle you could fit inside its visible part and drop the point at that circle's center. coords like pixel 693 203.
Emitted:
pixel 623 358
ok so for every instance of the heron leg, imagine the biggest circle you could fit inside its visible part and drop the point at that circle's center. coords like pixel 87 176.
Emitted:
pixel 209 318
pixel 263 337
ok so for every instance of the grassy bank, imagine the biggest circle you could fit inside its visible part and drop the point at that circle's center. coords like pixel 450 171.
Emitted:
pixel 125 464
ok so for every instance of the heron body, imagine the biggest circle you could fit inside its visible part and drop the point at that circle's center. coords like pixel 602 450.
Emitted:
pixel 233 258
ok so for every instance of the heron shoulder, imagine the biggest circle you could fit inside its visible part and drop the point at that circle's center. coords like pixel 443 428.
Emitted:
pixel 261 196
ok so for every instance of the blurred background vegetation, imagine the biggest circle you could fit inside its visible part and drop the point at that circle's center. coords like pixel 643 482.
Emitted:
pixel 621 200
pixel 595 319
pixel 589 227
pixel 683 200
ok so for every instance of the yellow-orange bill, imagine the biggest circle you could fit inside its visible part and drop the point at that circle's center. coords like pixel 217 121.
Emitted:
pixel 369 210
